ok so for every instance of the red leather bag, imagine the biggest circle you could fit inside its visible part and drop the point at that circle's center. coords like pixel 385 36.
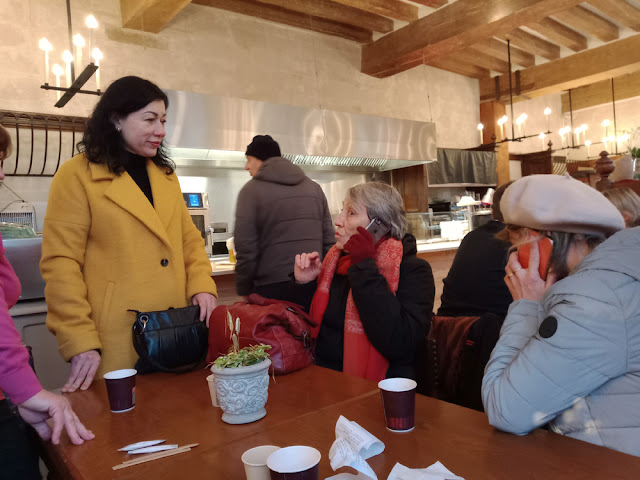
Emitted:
pixel 283 325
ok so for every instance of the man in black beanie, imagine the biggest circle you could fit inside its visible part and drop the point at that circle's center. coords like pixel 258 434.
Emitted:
pixel 280 213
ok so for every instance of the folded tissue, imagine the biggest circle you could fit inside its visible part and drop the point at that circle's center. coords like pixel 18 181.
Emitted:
pixel 352 447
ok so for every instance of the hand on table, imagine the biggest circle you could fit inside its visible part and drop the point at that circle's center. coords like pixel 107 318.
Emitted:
pixel 207 302
pixel 307 267
pixel 83 368
pixel 525 283
pixel 44 405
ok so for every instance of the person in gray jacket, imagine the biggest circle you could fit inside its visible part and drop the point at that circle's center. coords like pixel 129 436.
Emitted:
pixel 568 353
pixel 280 213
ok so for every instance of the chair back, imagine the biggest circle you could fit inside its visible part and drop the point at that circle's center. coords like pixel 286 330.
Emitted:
pixel 456 352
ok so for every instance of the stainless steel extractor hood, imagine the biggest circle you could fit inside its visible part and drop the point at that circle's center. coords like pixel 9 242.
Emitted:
pixel 208 130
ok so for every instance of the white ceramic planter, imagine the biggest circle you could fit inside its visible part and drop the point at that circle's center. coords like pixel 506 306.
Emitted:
pixel 242 391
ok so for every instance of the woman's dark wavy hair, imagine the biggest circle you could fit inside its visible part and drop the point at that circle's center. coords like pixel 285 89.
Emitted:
pixel 101 142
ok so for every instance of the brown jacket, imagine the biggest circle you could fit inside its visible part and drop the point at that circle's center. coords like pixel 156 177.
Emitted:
pixel 280 213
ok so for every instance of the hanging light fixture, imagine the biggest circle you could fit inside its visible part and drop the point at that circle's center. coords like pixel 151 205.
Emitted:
pixel 74 84
pixel 569 136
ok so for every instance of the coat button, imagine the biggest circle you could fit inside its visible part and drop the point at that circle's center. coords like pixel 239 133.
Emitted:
pixel 164 262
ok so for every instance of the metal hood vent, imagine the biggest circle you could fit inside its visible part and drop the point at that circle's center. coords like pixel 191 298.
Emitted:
pixel 207 130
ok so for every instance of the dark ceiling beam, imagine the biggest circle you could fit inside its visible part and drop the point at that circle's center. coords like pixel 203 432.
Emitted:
pixel 559 33
pixel 287 17
pixel 454 27
pixel 621 11
pixel 498 49
pixel 149 15
pixel 432 3
pixel 594 65
pixel 533 44
pixel 388 8
pixel 336 12
pixel 586 21
pixel 481 59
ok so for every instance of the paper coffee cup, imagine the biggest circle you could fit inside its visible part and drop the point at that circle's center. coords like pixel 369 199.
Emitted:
pixel 399 403
pixel 212 392
pixel 121 389
pixel 297 462
pixel 255 462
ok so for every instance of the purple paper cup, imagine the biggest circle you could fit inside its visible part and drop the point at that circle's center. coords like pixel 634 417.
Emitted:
pixel 399 403
pixel 121 389
pixel 294 463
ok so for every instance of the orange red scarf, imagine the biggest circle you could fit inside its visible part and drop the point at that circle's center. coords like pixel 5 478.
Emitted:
pixel 359 358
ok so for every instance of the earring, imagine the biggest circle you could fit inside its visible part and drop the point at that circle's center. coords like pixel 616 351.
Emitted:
pixel 118 128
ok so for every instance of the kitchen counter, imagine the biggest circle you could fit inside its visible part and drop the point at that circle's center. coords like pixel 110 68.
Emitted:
pixel 28 307
pixel 426 246
pixel 220 265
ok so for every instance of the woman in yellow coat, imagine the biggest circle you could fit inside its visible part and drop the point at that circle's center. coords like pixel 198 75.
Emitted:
pixel 117 235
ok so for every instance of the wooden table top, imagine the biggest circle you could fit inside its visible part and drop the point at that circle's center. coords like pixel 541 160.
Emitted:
pixel 302 410
pixel 178 408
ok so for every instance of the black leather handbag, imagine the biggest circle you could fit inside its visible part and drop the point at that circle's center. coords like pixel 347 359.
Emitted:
pixel 171 341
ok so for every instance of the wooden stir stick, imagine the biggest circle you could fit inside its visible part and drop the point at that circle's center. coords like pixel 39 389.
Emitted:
pixel 155 456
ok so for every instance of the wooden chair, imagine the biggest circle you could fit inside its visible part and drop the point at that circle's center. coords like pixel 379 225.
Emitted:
pixel 456 350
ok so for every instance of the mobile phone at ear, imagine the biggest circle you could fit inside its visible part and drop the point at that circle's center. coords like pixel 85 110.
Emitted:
pixel 377 229
pixel 545 247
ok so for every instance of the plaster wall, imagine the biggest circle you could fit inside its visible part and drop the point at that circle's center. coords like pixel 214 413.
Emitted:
pixel 206 50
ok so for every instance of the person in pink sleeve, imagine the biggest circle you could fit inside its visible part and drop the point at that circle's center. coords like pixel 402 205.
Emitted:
pixel 18 458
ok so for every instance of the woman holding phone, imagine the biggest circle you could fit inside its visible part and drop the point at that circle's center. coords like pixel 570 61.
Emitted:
pixel 372 297
pixel 567 353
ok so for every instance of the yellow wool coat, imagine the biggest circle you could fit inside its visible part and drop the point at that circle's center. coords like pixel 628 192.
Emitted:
pixel 106 249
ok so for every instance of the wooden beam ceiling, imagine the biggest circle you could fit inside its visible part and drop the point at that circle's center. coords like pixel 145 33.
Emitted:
pixel 533 44
pixel 432 3
pixel 451 28
pixel 559 33
pixel 295 19
pixel 498 49
pixel 610 60
pixel 389 8
pixel 149 15
pixel 475 56
pixel 336 12
pixel 599 93
pixel 620 11
pixel 585 20
pixel 466 69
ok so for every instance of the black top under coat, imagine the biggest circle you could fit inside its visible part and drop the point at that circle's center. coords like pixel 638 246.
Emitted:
pixel 136 167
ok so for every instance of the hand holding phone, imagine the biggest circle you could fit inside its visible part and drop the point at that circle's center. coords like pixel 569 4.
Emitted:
pixel 545 247
pixel 377 229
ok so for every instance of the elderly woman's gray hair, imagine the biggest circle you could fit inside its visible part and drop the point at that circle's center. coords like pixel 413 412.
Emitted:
pixel 383 201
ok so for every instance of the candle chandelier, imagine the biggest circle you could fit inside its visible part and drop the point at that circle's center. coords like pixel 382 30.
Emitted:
pixel 570 137
pixel 74 83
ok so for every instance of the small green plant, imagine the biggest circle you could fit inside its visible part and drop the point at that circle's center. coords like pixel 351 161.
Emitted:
pixel 635 152
pixel 238 357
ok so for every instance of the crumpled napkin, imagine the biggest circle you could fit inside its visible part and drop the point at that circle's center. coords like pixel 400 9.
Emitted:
pixel 437 471
pixel 352 447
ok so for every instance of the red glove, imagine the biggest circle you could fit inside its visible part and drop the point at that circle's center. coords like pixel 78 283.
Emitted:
pixel 360 246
